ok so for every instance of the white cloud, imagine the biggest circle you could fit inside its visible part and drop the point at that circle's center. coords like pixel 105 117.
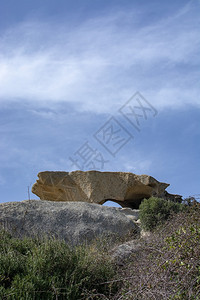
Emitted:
pixel 100 64
pixel 142 166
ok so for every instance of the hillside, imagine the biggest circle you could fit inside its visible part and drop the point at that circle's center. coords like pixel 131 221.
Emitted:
pixel 164 265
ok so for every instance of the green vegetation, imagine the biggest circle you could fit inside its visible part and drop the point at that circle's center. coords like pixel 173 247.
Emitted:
pixel 49 269
pixel 154 211
pixel 167 265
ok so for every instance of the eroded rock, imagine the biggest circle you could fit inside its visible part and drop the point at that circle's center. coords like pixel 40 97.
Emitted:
pixel 126 189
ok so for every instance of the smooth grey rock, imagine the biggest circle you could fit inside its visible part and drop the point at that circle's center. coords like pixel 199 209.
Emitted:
pixel 131 213
pixel 75 222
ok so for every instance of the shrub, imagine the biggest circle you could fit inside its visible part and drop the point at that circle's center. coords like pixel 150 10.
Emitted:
pixel 49 269
pixel 168 263
pixel 154 211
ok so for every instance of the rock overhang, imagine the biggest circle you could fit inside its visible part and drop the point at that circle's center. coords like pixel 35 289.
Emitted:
pixel 126 189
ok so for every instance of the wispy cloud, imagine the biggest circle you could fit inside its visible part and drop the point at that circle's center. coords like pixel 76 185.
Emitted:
pixel 100 63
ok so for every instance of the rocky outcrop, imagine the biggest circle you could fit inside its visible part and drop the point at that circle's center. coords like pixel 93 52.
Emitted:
pixel 126 189
pixel 73 222
pixel 172 197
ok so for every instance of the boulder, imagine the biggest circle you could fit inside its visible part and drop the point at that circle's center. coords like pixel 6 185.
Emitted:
pixel 126 189
pixel 121 254
pixel 73 222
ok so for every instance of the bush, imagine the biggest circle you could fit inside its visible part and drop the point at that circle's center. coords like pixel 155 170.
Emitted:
pixel 154 211
pixel 168 263
pixel 49 269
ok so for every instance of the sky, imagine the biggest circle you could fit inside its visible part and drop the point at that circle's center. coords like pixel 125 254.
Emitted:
pixel 104 85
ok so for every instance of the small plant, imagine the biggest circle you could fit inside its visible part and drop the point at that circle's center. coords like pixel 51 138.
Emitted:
pixel 154 211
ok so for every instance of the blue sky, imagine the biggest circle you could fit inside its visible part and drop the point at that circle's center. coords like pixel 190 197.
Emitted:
pixel 68 69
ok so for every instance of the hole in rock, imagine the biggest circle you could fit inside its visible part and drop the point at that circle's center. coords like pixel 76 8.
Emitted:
pixel 111 203
pixel 132 203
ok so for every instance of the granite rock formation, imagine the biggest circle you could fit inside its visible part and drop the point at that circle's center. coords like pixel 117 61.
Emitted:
pixel 73 222
pixel 126 189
